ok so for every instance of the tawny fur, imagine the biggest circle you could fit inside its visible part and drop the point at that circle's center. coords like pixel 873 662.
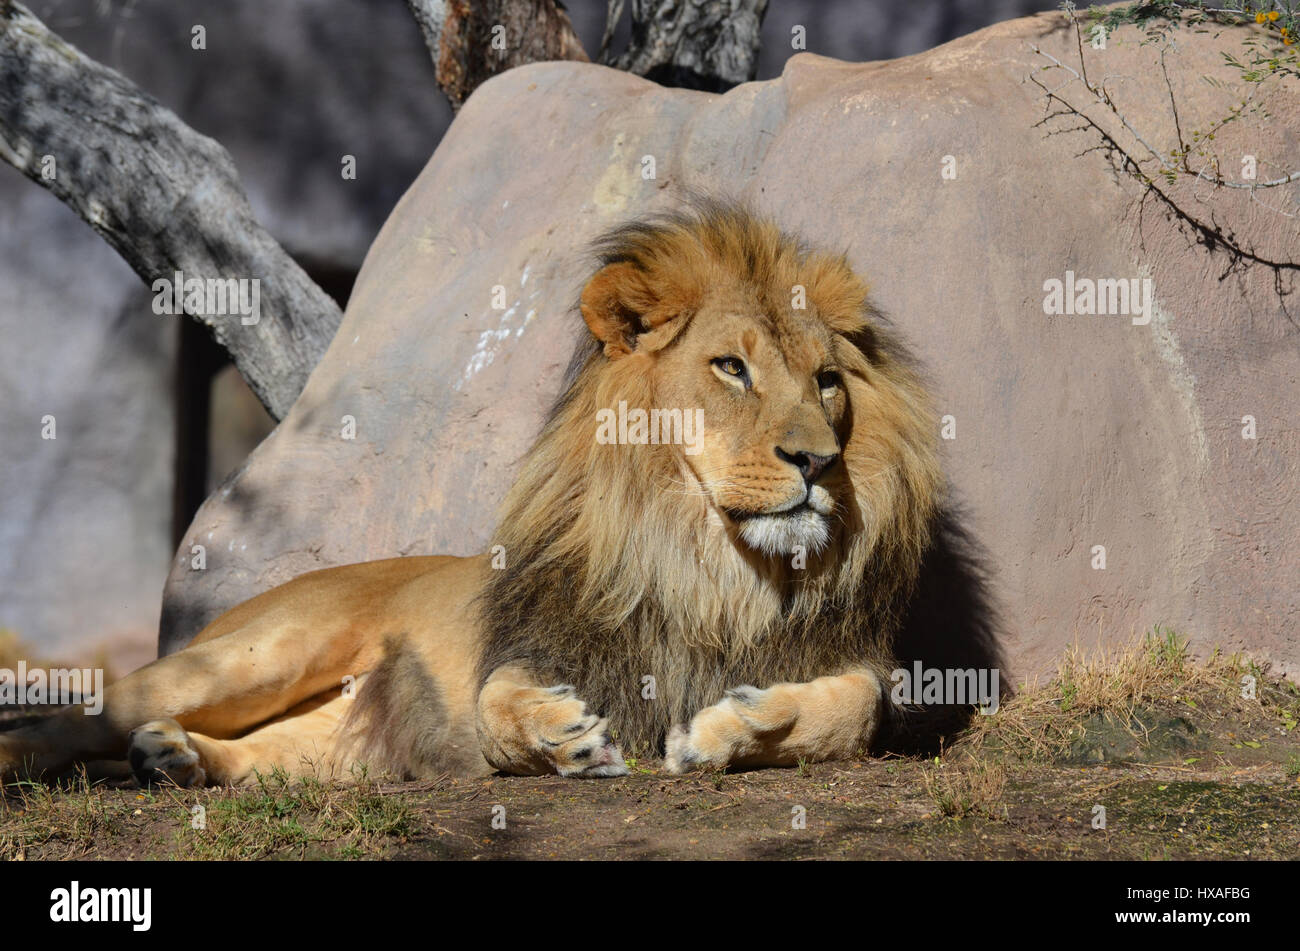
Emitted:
pixel 399 726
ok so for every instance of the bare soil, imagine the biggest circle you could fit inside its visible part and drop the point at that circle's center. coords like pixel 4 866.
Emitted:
pixel 857 810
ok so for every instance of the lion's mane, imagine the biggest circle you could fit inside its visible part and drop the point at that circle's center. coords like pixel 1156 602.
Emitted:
pixel 614 572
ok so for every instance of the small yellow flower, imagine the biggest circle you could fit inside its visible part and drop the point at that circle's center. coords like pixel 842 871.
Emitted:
pixel 1259 18
pixel 1273 15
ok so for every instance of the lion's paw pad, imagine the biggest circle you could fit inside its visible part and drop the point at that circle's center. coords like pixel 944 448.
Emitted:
pixel 160 751
pixel 593 754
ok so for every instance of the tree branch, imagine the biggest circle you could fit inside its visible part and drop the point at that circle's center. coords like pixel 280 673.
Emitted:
pixel 1104 98
pixel 473 40
pixel 1209 233
pixel 694 44
pixel 165 197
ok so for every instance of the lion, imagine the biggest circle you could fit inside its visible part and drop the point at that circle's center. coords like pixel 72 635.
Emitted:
pixel 727 601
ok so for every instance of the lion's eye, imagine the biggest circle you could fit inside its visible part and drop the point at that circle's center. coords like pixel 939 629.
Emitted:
pixel 828 380
pixel 732 366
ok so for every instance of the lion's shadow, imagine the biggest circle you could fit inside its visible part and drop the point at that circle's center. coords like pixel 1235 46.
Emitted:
pixel 952 622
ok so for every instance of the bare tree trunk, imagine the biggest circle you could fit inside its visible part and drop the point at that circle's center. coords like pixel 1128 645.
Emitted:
pixel 473 40
pixel 695 44
pixel 167 198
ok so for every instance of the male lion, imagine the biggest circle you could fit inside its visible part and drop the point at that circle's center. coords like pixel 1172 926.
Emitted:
pixel 732 602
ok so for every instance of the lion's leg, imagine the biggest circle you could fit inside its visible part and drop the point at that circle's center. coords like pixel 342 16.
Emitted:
pixel 530 730
pixel 220 687
pixel 303 742
pixel 826 718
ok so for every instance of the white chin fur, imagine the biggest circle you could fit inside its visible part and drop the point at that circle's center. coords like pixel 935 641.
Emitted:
pixel 783 534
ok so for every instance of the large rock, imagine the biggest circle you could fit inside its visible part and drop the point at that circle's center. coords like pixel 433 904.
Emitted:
pixel 1071 431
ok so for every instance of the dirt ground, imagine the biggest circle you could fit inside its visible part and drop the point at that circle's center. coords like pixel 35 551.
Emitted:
pixel 1142 755
pixel 880 809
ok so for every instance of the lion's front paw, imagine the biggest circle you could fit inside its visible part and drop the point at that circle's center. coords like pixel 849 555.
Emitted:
pixel 593 754
pixel 732 731
pixel 577 742
pixel 160 751
pixel 550 729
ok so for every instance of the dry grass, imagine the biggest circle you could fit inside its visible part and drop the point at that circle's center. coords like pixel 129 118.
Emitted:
pixel 66 821
pixel 304 816
pixel 1159 673
pixel 276 816
pixel 967 787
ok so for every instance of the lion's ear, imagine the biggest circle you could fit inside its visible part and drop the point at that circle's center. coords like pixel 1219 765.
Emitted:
pixel 615 304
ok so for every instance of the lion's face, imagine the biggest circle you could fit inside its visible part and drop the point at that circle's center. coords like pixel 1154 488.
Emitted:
pixel 773 402
pixel 800 430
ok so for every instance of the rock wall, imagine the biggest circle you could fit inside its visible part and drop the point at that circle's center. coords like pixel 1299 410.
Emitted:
pixel 1071 431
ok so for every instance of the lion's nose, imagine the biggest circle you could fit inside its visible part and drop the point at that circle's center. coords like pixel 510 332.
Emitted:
pixel 809 464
